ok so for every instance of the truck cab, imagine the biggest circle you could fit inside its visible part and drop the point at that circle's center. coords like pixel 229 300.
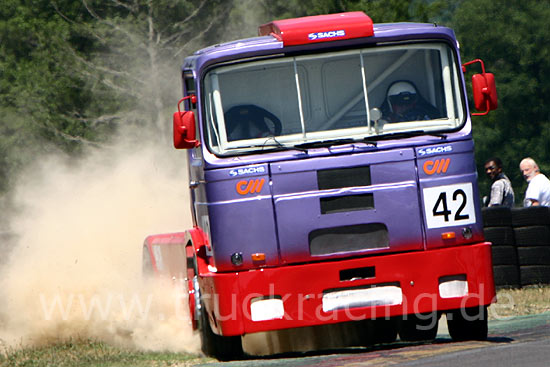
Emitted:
pixel 332 178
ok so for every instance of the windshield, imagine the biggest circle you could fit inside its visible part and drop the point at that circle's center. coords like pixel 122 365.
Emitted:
pixel 357 94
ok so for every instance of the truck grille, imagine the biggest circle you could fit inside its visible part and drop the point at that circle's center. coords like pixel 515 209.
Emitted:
pixel 343 177
pixel 348 238
pixel 346 203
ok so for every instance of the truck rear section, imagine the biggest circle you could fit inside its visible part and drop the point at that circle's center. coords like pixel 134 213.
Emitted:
pixel 332 180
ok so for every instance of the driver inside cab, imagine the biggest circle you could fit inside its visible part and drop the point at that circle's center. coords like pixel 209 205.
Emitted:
pixel 250 122
pixel 404 103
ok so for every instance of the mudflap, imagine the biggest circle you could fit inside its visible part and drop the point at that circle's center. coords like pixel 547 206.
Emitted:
pixel 180 256
pixel 171 256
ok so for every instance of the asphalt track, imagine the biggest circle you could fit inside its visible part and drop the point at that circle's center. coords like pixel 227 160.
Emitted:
pixel 521 341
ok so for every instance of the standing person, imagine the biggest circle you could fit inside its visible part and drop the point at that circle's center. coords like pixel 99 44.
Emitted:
pixel 538 190
pixel 501 188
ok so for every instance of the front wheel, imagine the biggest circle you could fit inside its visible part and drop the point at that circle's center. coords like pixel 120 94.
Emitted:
pixel 224 348
pixel 421 327
pixel 468 324
pixel 385 331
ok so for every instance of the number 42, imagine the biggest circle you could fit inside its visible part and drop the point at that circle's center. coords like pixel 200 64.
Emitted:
pixel 449 205
pixel 445 212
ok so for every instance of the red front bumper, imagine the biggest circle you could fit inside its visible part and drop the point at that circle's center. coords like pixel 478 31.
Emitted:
pixel 301 287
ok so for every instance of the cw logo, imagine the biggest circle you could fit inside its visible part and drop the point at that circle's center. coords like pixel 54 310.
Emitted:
pixel 438 166
pixel 250 186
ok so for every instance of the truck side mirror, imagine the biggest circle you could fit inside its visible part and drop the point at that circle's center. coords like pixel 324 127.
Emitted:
pixel 184 128
pixel 484 89
pixel 485 92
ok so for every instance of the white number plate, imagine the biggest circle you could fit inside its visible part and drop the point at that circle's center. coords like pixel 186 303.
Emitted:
pixel 450 205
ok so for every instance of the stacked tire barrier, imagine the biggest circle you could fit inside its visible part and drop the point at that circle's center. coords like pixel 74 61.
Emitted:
pixel 532 238
pixel 521 245
pixel 498 229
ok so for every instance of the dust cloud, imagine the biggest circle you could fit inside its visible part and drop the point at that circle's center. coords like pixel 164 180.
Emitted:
pixel 75 271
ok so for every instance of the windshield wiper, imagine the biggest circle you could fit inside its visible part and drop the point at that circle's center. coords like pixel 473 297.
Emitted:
pixel 285 147
pixel 273 144
pixel 325 143
pixel 402 135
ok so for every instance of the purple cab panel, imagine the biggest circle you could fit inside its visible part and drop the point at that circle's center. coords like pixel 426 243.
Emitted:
pixel 241 216
pixel 266 45
pixel 448 187
pixel 347 205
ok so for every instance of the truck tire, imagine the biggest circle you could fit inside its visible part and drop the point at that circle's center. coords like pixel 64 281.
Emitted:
pixel 385 331
pixel 531 216
pixel 418 327
pixel 532 236
pixel 499 235
pixel 536 255
pixel 506 276
pixel 534 274
pixel 504 255
pixel 496 216
pixel 468 324
pixel 224 348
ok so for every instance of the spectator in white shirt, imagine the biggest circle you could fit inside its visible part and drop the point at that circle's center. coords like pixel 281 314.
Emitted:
pixel 538 190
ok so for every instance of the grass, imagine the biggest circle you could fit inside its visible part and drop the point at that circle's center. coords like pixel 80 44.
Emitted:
pixel 90 353
pixel 519 302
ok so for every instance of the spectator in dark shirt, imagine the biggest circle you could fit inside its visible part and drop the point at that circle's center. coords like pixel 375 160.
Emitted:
pixel 501 188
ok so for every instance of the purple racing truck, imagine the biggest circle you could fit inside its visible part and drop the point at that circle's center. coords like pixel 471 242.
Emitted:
pixel 332 181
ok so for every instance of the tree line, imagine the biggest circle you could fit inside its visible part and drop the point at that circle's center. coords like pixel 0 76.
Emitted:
pixel 73 73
